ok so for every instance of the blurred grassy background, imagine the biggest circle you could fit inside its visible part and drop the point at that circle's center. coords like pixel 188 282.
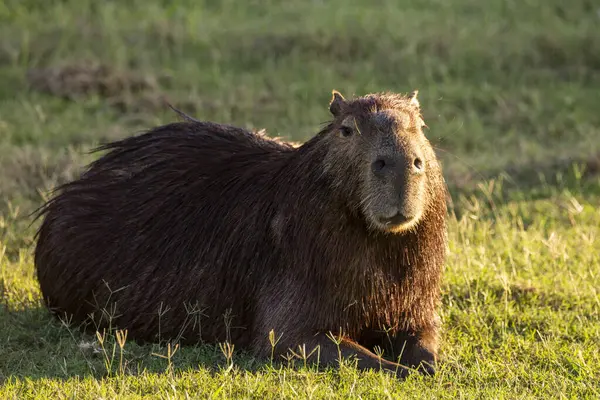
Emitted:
pixel 508 88
pixel 505 85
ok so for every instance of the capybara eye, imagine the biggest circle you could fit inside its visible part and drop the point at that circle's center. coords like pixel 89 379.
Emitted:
pixel 346 131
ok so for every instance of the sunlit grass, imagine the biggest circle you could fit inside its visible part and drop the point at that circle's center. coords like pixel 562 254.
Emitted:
pixel 510 91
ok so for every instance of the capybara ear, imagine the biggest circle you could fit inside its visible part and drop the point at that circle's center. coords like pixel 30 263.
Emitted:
pixel 337 104
pixel 413 98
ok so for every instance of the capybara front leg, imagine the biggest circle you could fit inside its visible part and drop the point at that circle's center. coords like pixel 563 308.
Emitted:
pixel 417 350
pixel 331 349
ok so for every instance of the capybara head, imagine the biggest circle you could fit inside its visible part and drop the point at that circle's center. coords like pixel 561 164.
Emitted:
pixel 380 151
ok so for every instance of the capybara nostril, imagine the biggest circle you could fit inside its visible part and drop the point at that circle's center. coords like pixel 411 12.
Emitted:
pixel 418 164
pixel 378 165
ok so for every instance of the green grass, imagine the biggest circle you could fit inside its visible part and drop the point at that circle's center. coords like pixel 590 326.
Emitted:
pixel 510 91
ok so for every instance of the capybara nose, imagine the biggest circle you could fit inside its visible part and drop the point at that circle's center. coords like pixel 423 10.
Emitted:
pixel 384 164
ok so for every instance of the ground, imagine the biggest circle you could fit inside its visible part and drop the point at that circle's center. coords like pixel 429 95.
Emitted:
pixel 510 92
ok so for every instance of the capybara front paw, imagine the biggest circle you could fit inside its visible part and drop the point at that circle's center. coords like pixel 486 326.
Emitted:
pixel 421 360
pixel 427 368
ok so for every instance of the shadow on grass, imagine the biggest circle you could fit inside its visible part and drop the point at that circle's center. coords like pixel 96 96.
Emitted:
pixel 36 345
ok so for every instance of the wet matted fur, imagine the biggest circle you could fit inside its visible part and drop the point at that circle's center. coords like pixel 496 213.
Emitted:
pixel 198 231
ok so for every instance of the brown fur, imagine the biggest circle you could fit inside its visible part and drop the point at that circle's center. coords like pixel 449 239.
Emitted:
pixel 204 232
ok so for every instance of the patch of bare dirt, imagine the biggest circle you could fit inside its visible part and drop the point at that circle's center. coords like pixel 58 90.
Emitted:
pixel 125 90
pixel 74 80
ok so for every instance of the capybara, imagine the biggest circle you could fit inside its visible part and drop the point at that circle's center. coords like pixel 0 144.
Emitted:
pixel 202 232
